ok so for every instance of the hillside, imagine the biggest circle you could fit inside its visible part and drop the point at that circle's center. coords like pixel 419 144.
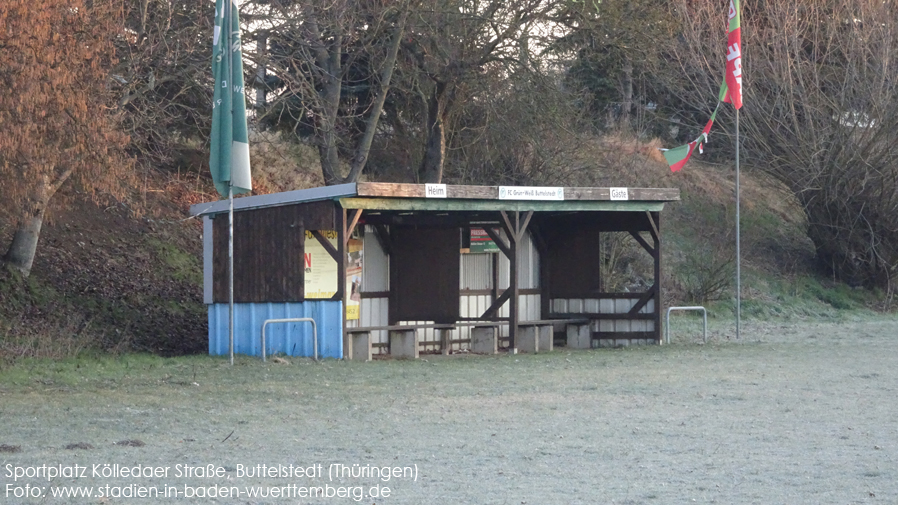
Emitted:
pixel 108 278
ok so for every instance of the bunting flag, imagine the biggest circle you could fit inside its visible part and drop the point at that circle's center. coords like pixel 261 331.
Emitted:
pixel 734 57
pixel 229 153
pixel 678 156
pixel 730 90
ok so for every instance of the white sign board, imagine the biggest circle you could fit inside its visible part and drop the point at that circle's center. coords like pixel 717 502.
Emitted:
pixel 435 190
pixel 619 194
pixel 530 193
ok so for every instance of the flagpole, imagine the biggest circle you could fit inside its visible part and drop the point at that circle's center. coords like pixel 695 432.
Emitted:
pixel 226 26
pixel 738 242
pixel 231 272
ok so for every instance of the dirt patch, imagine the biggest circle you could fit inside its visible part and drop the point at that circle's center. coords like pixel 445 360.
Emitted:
pixel 797 413
pixel 113 279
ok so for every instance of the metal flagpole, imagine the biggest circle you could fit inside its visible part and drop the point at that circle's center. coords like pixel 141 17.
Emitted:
pixel 226 26
pixel 738 244
pixel 231 271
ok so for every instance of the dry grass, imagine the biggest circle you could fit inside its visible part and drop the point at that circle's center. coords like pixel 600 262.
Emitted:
pixel 51 338
pixel 283 165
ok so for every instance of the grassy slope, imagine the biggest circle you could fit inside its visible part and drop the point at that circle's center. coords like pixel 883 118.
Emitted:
pixel 106 279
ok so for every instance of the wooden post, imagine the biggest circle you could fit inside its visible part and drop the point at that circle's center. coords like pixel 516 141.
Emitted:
pixel 347 226
pixel 655 219
pixel 341 279
pixel 495 294
pixel 513 285
pixel 515 233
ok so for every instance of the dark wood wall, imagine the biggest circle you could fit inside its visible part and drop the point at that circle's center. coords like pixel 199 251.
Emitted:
pixel 268 251
pixel 424 273
pixel 573 262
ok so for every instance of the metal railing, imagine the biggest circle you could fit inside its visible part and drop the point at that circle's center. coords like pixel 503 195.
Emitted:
pixel 293 320
pixel 704 322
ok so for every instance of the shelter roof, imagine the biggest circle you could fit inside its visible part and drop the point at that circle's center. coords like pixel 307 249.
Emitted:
pixel 442 197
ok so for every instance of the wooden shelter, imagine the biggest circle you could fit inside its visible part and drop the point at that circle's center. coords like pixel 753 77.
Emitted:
pixel 433 262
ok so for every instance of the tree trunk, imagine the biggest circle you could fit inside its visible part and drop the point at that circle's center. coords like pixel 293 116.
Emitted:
pixel 627 102
pixel 20 254
pixel 327 135
pixel 435 145
pixel 386 74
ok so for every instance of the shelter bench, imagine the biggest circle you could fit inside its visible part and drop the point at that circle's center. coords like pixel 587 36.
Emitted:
pixel 533 337
pixel 539 336
pixel 403 341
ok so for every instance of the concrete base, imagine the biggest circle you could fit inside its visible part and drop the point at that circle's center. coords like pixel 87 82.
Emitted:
pixel 626 342
pixel 404 344
pixel 484 340
pixel 445 341
pixel 527 339
pixel 546 338
pixel 362 349
pixel 579 336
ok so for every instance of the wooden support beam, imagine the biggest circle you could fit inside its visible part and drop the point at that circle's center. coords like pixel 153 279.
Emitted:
pixel 495 279
pixel 498 241
pixel 513 278
pixel 657 223
pixel 357 213
pixel 509 229
pixel 654 229
pixel 327 245
pixel 523 227
pixel 644 299
pixel 645 245
pixel 341 280
pixel 496 304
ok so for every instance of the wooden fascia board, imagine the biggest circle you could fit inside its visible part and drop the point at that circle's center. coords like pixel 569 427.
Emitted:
pixel 441 204
pixel 391 190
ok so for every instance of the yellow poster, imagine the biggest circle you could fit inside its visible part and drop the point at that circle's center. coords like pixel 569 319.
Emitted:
pixel 320 268
pixel 354 278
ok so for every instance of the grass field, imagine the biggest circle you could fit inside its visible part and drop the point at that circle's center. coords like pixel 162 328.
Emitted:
pixel 795 413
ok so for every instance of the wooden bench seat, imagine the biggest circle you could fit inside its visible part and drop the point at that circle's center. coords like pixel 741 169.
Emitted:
pixel 403 341
pixel 533 336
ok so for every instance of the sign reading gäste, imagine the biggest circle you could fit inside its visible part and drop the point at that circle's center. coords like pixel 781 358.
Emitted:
pixel 530 193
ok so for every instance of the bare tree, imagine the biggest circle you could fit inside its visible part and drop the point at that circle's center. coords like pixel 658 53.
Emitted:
pixel 821 115
pixel 450 46
pixel 163 80
pixel 332 63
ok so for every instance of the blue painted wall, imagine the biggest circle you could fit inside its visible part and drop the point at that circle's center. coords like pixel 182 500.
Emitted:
pixel 292 339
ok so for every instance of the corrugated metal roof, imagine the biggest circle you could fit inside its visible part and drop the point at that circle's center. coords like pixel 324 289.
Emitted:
pixel 274 199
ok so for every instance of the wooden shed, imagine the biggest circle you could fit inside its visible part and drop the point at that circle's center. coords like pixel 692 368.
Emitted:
pixel 377 264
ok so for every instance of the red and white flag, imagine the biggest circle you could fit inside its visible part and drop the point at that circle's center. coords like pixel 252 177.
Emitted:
pixel 734 57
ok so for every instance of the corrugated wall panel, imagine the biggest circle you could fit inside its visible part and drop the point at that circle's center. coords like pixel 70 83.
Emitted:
pixel 374 312
pixel 528 265
pixel 607 306
pixel 529 308
pixel 292 339
pixel 476 271
pixel 376 264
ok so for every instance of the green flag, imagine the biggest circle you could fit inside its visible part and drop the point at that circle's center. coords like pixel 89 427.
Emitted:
pixel 229 153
